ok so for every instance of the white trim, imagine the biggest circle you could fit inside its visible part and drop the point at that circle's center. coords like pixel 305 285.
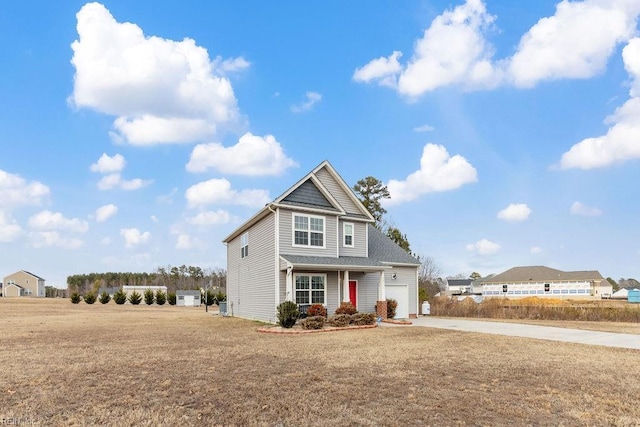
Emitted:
pixel 310 275
pixel 309 231
pixel 337 236
pixel 344 234
pixel 276 228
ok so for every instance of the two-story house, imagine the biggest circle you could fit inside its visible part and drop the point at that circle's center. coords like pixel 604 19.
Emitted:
pixel 23 283
pixel 316 243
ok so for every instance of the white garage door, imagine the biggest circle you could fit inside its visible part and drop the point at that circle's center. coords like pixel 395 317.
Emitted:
pixel 399 293
pixel 188 300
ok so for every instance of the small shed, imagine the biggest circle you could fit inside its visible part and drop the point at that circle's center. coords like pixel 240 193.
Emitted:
pixel 188 298
pixel 634 295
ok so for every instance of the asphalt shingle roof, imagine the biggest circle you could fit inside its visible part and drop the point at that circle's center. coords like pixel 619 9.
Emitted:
pixel 541 273
pixel 383 249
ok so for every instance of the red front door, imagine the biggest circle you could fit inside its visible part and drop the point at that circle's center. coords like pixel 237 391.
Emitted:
pixel 353 292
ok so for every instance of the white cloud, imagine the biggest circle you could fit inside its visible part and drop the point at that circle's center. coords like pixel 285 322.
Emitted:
pixel 253 155
pixel 106 241
pixel 312 98
pixel 578 208
pixel 453 50
pixel 424 128
pixel 438 172
pixel 231 65
pixel 576 42
pixel 515 212
pixel 484 247
pixel 10 230
pixel 160 90
pixel 105 212
pixel 106 164
pixel 114 180
pixel 210 218
pixel 44 239
pixel 536 250
pixel 154 218
pixel 219 191
pixel 167 198
pixel 184 242
pixel 384 70
pixel 47 220
pixel 620 143
pixel 133 237
pixel 16 191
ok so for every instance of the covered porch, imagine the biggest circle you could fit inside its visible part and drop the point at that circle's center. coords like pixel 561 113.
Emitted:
pixel 330 281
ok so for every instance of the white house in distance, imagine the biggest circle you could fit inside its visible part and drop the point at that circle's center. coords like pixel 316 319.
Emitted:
pixel 315 243
pixel 520 282
pixel 23 284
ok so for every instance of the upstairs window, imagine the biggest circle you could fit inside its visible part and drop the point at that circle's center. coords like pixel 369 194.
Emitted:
pixel 347 232
pixel 244 245
pixel 308 230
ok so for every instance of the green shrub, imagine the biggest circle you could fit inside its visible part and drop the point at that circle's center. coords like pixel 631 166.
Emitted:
pixel 363 319
pixel 149 298
pixel 288 314
pixel 312 322
pixel 346 308
pixel 135 298
pixel 161 297
pixel 221 296
pixel 392 305
pixel 340 320
pixel 317 310
pixel 171 298
pixel 90 298
pixel 120 296
pixel 75 298
pixel 104 297
pixel 209 297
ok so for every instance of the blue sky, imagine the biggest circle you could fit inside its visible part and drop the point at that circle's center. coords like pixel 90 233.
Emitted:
pixel 135 135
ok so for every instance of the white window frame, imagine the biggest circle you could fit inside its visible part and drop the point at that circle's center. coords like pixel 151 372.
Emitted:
pixel 310 290
pixel 352 235
pixel 244 245
pixel 308 230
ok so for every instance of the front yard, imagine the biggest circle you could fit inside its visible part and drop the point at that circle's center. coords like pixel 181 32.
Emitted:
pixel 67 364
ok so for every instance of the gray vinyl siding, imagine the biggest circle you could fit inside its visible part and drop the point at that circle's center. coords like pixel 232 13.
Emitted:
pixel 359 239
pixel 338 192
pixel 368 292
pixel 250 287
pixel 405 276
pixel 286 236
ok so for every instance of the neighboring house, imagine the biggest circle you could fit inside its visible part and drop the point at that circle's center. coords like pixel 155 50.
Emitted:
pixel 459 286
pixel 188 298
pixel 316 243
pixel 519 282
pixel 23 284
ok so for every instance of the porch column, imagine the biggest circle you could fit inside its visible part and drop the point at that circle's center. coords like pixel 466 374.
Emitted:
pixel 381 306
pixel 345 287
pixel 289 284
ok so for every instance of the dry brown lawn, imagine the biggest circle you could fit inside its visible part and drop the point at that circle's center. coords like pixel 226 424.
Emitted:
pixel 65 364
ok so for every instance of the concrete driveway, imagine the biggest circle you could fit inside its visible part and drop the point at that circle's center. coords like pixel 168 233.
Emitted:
pixel 608 339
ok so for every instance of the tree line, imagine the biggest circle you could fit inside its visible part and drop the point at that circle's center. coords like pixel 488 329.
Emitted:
pixel 173 277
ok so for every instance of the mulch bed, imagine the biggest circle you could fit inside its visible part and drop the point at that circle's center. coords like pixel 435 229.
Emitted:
pixel 296 330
